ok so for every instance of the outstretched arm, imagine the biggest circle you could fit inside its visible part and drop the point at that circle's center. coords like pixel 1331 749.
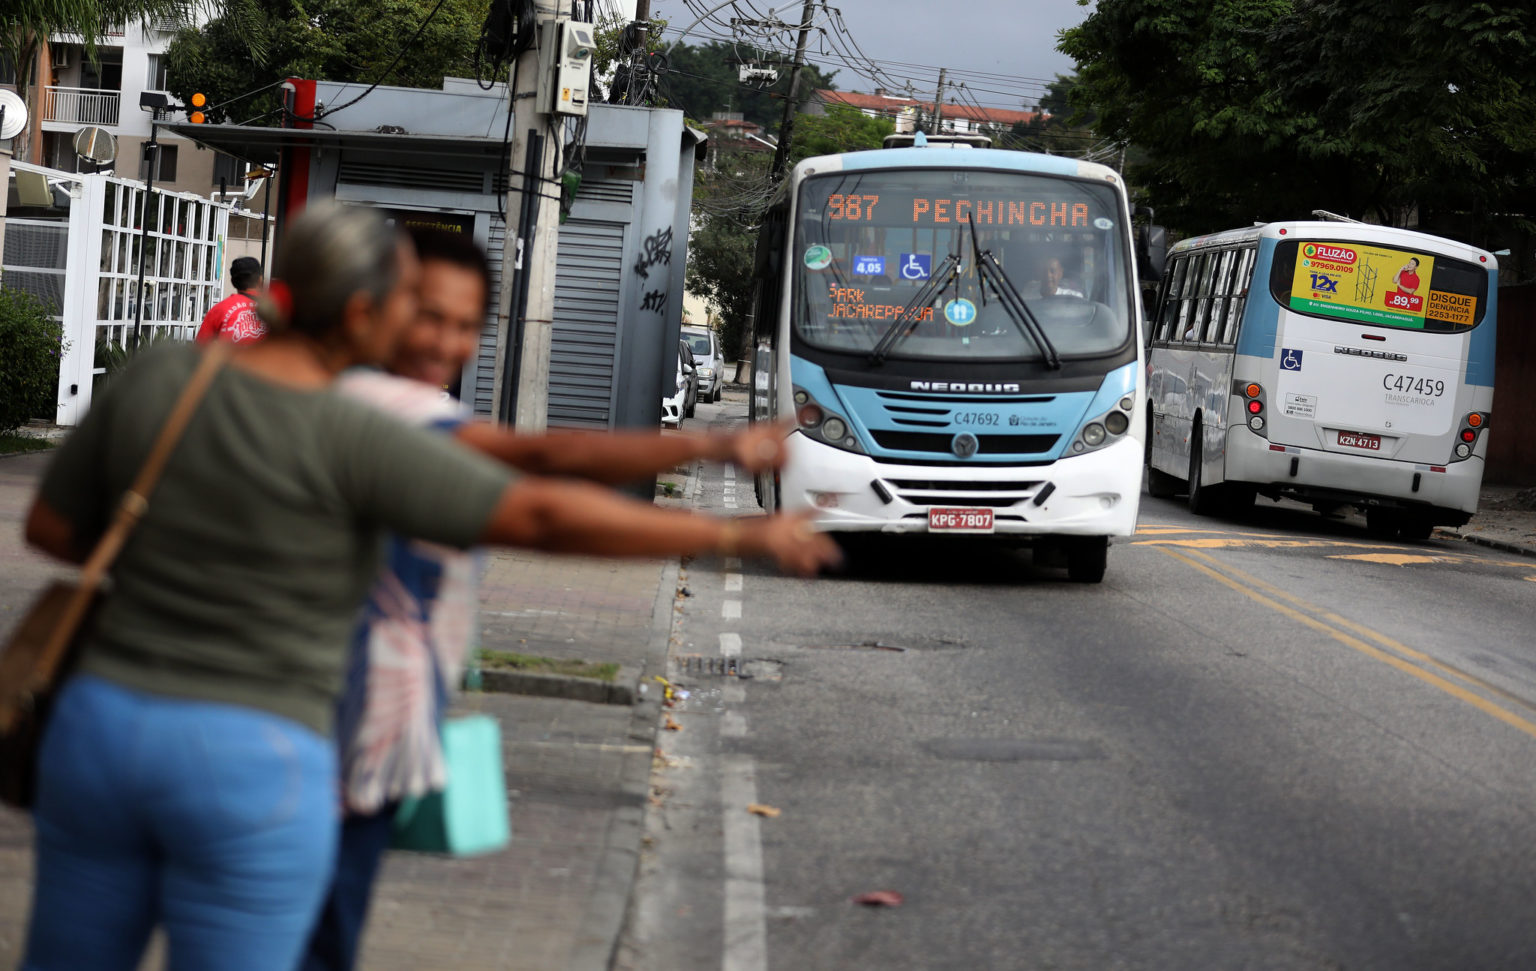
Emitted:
pixel 563 516
pixel 612 458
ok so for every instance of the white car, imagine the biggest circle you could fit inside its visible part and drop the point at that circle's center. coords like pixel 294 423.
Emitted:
pixel 710 360
pixel 681 403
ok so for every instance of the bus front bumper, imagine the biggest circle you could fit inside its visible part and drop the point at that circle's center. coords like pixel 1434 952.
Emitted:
pixel 1359 480
pixel 1087 495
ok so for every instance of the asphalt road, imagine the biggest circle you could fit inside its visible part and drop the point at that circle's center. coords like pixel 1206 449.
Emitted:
pixel 1266 742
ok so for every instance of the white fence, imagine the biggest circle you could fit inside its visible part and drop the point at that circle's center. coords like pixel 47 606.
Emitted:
pixel 86 265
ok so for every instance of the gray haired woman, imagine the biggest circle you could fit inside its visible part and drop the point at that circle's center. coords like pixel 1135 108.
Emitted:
pixel 187 777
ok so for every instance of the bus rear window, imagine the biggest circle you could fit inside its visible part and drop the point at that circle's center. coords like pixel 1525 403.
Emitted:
pixel 1374 283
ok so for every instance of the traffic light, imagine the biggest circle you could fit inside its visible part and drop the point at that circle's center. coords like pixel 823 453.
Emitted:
pixel 195 104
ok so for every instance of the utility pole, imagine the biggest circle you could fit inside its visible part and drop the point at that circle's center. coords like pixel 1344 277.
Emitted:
pixel 938 104
pixel 526 306
pixel 642 9
pixel 787 127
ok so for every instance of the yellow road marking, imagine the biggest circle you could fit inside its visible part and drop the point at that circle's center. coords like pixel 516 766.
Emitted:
pixel 1391 559
pixel 1428 677
pixel 1221 543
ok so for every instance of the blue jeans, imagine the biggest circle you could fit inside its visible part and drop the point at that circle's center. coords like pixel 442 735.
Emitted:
pixel 336 941
pixel 216 821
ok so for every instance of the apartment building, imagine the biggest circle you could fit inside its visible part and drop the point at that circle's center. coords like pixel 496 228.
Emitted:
pixel 73 92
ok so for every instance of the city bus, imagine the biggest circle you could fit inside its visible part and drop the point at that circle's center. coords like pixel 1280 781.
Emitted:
pixel 955 333
pixel 1337 363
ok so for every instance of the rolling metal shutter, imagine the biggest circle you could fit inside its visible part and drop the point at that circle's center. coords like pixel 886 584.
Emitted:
pixel 485 359
pixel 585 340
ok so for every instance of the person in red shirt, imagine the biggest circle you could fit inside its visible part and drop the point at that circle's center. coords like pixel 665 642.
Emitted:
pixel 1407 279
pixel 234 318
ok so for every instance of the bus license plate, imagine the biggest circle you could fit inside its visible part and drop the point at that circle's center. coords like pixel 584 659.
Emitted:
pixel 960 520
pixel 1351 440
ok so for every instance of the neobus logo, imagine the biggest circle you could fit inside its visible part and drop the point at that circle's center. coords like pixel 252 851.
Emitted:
pixel 954 386
pixel 1334 254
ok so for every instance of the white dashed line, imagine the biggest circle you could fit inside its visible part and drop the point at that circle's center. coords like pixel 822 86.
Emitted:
pixel 730 471
pixel 731 610
pixel 746 923
pixel 733 583
pixel 730 645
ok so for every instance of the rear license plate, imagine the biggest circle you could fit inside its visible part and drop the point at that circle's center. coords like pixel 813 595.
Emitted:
pixel 1352 440
pixel 960 520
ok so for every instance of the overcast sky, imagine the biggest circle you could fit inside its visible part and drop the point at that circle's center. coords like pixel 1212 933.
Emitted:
pixel 1001 49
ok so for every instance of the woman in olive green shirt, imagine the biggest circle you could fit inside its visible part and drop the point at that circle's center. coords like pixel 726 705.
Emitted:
pixel 187 777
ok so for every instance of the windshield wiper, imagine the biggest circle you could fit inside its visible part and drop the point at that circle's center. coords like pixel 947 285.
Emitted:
pixel 992 272
pixel 910 315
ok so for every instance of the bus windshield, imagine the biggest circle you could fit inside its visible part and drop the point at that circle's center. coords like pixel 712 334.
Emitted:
pixel 867 243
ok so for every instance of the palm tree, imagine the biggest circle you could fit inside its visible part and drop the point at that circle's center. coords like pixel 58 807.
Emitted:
pixel 26 25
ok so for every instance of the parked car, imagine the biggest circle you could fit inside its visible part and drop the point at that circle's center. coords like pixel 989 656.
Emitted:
pixel 685 399
pixel 705 345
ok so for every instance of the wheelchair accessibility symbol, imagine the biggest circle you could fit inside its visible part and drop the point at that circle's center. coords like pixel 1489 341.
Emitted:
pixel 916 266
pixel 1290 359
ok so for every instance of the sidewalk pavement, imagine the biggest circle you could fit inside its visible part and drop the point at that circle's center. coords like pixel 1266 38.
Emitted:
pixel 1505 520
pixel 577 772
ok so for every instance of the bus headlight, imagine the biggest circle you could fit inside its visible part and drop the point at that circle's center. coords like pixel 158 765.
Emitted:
pixel 822 425
pixel 1093 434
pixel 1116 422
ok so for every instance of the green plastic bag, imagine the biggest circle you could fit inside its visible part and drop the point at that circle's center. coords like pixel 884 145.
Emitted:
pixel 470 817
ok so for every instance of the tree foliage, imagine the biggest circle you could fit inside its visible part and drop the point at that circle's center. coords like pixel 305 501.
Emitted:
pixel 261 42
pixel 1266 109
pixel 704 80
pixel 31 347
pixel 728 201
pixel 839 129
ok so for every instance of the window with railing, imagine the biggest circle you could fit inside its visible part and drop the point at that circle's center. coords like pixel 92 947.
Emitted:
pixel 81 106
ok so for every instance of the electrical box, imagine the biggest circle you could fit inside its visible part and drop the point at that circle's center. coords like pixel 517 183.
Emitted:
pixel 565 66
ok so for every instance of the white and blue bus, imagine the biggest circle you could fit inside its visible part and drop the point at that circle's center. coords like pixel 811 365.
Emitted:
pixel 1337 363
pixel 957 335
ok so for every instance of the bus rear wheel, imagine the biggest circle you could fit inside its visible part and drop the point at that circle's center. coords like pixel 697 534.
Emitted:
pixel 1204 500
pixel 1087 558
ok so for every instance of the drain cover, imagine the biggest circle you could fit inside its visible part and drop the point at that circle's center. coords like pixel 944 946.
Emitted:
pixel 706 666
pixel 699 666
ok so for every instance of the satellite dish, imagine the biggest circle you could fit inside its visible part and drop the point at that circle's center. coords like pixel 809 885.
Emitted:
pixel 13 114
pixel 95 145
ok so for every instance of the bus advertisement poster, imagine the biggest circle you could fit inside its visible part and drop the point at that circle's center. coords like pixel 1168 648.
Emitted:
pixel 1365 283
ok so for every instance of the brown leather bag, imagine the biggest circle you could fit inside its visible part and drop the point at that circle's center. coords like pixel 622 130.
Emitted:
pixel 40 651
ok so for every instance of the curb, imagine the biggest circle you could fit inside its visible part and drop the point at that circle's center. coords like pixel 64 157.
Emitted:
pixel 1496 544
pixel 608 910
pixel 622 690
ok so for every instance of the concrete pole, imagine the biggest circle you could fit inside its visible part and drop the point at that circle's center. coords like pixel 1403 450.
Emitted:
pixel 938 105
pixel 535 327
pixel 787 126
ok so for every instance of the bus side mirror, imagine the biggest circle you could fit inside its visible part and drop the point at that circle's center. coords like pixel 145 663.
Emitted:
pixel 1151 252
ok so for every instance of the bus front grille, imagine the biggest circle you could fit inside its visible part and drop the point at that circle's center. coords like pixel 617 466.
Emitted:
pixel 941 492
pixel 901 441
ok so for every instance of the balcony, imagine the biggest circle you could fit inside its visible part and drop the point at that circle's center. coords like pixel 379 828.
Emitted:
pixel 70 108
